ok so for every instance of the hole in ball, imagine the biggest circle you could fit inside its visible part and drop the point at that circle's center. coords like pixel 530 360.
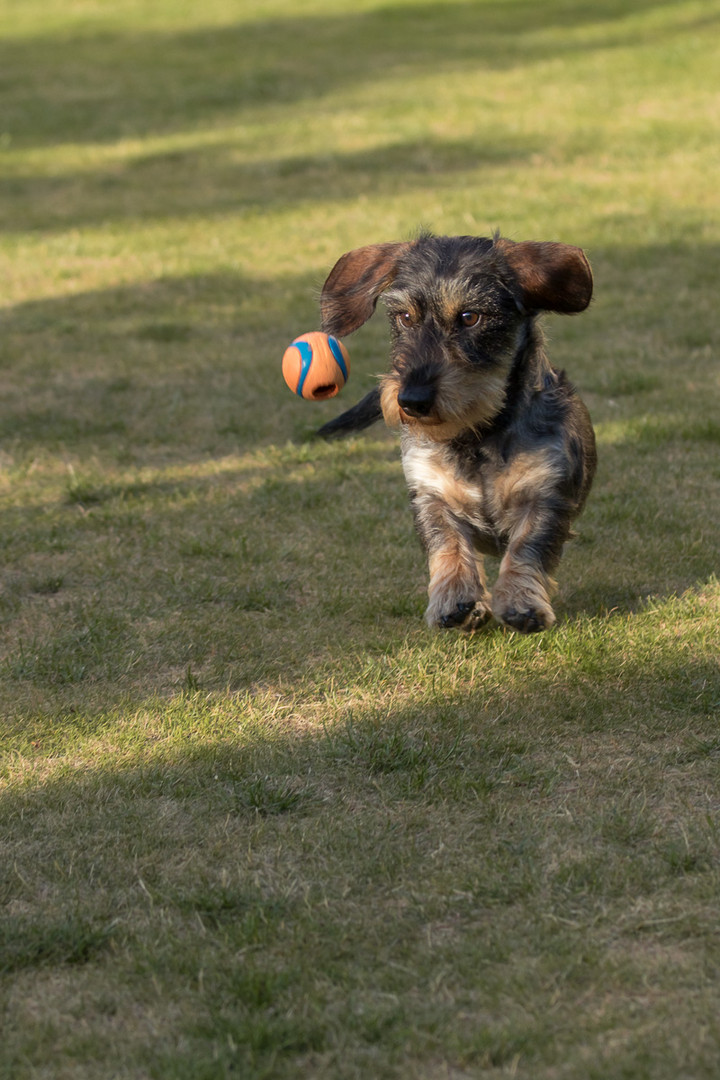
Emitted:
pixel 325 391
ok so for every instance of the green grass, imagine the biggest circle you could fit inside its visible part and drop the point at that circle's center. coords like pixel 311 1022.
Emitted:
pixel 256 820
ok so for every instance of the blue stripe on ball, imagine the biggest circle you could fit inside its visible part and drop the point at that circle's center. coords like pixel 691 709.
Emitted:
pixel 305 350
pixel 337 353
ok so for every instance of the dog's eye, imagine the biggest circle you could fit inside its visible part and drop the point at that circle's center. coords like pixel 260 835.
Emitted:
pixel 469 318
pixel 405 318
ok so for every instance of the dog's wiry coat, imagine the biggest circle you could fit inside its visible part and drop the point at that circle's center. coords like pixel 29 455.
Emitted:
pixel 497 448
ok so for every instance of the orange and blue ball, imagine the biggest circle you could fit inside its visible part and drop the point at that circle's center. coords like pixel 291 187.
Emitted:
pixel 316 366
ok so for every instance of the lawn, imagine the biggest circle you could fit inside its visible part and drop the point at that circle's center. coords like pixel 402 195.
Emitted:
pixel 256 820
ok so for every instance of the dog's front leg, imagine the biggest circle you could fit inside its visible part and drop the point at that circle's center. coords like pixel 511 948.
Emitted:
pixel 521 596
pixel 457 594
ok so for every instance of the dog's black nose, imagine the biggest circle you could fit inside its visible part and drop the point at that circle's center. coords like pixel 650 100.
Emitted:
pixel 416 400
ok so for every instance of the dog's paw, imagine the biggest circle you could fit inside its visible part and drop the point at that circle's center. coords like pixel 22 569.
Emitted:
pixel 468 615
pixel 526 620
pixel 526 613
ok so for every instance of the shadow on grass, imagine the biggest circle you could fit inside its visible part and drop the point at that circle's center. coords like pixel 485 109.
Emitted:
pixel 191 363
pixel 101 86
pixel 214 180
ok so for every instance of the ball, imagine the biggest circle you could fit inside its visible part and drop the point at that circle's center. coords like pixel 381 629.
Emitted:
pixel 316 366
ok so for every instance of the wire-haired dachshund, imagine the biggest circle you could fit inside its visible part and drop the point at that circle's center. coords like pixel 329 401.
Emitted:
pixel 497 448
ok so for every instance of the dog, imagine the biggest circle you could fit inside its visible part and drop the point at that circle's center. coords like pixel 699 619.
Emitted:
pixel 498 450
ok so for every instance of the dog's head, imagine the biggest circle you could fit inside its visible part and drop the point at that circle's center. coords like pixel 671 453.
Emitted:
pixel 458 309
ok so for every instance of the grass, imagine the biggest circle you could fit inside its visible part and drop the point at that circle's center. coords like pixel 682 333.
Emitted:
pixel 255 820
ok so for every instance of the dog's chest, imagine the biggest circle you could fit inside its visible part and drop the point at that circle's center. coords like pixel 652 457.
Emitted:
pixel 432 473
pixel 489 493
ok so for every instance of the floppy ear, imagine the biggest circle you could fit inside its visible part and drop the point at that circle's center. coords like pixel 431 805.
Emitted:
pixel 552 277
pixel 356 280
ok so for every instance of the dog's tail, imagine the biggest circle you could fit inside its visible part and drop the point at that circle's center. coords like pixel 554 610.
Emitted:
pixel 360 416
